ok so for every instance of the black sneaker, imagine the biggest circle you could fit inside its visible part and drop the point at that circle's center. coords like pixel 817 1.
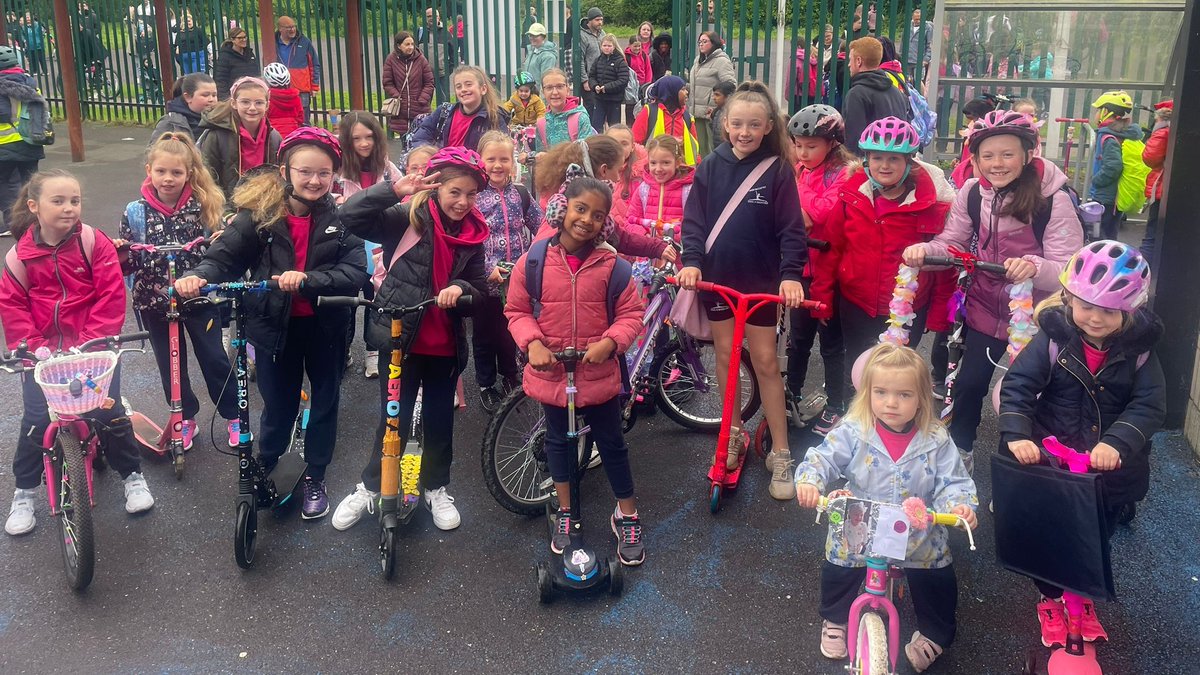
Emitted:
pixel 561 538
pixel 491 398
pixel 629 540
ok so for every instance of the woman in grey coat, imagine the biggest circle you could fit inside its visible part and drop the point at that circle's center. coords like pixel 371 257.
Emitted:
pixel 712 65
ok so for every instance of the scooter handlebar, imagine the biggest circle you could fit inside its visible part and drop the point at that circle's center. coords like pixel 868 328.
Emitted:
pixel 946 261
pixel 710 287
pixel 464 301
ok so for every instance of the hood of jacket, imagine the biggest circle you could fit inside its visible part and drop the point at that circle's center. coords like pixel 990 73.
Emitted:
pixel 288 96
pixel 220 116
pixel 178 105
pixel 1144 331
pixel 932 187
pixel 872 79
pixel 546 48
pixel 16 85
pixel 1133 132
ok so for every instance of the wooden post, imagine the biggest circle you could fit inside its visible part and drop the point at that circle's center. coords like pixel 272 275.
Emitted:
pixel 266 31
pixel 162 38
pixel 66 62
pixel 354 55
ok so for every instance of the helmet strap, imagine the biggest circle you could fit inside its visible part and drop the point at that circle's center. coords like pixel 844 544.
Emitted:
pixel 880 187
pixel 289 191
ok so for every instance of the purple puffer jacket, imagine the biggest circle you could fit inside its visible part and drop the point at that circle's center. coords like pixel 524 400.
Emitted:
pixel 511 226
pixel 1004 237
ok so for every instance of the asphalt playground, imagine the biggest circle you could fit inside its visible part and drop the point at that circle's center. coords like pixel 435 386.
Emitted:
pixel 734 592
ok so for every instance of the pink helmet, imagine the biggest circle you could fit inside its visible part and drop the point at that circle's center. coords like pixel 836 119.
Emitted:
pixel 316 137
pixel 463 158
pixel 890 134
pixel 1108 274
pixel 1001 122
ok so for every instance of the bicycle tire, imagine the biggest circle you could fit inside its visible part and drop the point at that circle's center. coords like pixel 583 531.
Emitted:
pixel 110 87
pixel 245 534
pixel 75 513
pixel 871 657
pixel 673 396
pixel 513 455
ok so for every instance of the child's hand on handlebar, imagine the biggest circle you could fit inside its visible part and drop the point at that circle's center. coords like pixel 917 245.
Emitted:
pixel 914 256
pixel 966 513
pixel 669 254
pixel 1026 452
pixel 688 277
pixel 1105 457
pixel 496 277
pixel 1018 270
pixel 540 357
pixel 599 352
pixel 290 281
pixel 448 296
pixel 792 292
pixel 189 287
pixel 808 495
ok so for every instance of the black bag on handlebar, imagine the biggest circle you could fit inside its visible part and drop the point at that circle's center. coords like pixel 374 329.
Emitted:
pixel 1051 526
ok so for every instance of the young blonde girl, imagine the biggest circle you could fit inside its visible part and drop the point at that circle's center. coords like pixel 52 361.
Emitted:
pixel 179 203
pixel 890 446
pixel 1091 378
pixel 417 159
pixel 62 286
pixel 461 124
pixel 235 135
pixel 762 250
pixel 513 217
pixel 664 189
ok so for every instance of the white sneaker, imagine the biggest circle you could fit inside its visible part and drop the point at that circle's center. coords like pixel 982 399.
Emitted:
pixel 371 365
pixel 20 516
pixel 352 508
pixel 137 494
pixel 441 505
pixel 596 460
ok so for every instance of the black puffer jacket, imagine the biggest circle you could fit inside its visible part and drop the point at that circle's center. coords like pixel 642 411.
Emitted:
pixel 376 214
pixel 1123 405
pixel 336 265
pixel 231 65
pixel 611 72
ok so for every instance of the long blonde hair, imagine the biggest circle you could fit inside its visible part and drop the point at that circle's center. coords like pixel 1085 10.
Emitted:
pixel 488 98
pixel 263 195
pixel 204 188
pixel 895 357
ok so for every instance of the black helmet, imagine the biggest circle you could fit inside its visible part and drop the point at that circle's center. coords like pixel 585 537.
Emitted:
pixel 8 57
pixel 818 120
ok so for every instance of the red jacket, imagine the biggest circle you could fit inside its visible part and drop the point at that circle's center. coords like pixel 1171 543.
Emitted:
pixel 652 204
pixel 574 314
pixel 866 249
pixel 1154 155
pixel 819 196
pixel 639 61
pixel 286 112
pixel 69 301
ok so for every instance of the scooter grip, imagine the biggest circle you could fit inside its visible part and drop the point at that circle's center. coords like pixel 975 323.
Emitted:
pixel 945 519
pixel 465 301
pixel 337 301
pixel 814 305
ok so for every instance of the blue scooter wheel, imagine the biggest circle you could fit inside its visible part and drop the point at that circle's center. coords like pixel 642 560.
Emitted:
pixel 714 499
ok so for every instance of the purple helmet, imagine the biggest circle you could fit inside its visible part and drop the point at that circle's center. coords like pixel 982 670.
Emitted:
pixel 890 134
pixel 1108 274
pixel 1002 122
pixel 464 158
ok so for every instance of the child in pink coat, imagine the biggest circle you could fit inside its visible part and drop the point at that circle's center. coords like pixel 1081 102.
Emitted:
pixel 658 201
pixel 576 273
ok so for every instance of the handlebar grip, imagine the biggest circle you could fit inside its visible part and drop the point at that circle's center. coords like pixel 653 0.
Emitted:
pixel 813 305
pixel 464 301
pixel 939 261
pixel 818 244
pixel 993 268
pixel 340 301
pixel 945 519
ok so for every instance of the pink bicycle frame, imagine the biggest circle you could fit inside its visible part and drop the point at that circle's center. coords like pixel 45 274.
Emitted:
pixel 82 432
pixel 874 598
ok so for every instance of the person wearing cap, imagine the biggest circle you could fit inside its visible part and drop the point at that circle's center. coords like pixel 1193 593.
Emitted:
pixel 591 30
pixel 1154 155
pixel 542 55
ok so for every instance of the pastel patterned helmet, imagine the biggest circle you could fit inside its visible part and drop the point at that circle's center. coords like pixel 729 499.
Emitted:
pixel 1004 122
pixel 820 121
pixel 464 158
pixel 315 137
pixel 523 79
pixel 277 75
pixel 890 134
pixel 1108 274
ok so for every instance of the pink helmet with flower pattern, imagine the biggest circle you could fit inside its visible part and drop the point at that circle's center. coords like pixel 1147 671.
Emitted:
pixel 1108 274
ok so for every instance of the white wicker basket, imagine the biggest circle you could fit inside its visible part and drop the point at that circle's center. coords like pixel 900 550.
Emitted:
pixel 94 372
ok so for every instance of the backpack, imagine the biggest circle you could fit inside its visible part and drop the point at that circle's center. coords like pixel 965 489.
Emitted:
pixel 923 119
pixel 16 267
pixel 32 121
pixel 572 128
pixel 618 280
pixel 526 198
pixel 442 111
pixel 1131 188
pixel 632 89
pixel 1040 219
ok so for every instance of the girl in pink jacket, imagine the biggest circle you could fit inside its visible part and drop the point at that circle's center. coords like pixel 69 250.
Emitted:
pixel 1021 217
pixel 573 313
pixel 658 201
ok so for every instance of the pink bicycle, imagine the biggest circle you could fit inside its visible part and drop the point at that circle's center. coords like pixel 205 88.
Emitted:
pixel 879 531
pixel 74 383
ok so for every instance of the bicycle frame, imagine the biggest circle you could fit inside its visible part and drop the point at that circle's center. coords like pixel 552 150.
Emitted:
pixel 82 430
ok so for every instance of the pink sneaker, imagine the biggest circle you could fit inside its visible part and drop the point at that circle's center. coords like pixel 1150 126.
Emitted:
pixel 1090 625
pixel 235 433
pixel 1053 619
pixel 189 432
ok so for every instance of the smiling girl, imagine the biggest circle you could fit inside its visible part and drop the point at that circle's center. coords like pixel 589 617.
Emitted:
pixel 463 123
pixel 193 96
pixel 236 136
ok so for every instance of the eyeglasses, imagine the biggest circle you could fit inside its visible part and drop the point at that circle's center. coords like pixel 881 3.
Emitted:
pixel 307 175
pixel 247 103
pixel 241 37
pixel 554 87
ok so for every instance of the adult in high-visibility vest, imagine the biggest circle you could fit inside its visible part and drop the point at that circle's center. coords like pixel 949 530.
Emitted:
pixel 668 114
pixel 18 159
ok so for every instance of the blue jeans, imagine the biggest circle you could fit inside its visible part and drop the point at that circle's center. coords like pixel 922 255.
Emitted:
pixel 193 62
pixel 605 421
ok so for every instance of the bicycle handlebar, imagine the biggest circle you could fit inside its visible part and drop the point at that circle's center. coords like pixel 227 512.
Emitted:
pixel 167 248
pixel 1073 120
pixel 708 286
pixel 933 517
pixel 819 244
pixel 345 301
pixel 18 356
pixel 947 261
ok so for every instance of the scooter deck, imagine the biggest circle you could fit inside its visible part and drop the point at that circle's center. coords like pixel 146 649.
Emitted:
pixel 410 481
pixel 286 475
pixel 732 476
pixel 148 434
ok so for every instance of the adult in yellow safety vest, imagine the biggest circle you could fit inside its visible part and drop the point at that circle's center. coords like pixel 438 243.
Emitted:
pixel 18 159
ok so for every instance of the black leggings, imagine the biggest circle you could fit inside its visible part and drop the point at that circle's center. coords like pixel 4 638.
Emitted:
pixel 203 325
pixel 805 330
pixel 860 332
pixel 971 386
pixel 494 348
pixel 605 421
pixel 934 598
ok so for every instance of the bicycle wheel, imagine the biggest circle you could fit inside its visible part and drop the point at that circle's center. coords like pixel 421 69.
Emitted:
pixel 686 387
pixel 108 87
pixel 514 456
pixel 74 513
pixel 871 657
pixel 245 534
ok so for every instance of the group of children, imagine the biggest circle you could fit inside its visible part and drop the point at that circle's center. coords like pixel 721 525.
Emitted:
pixel 453 223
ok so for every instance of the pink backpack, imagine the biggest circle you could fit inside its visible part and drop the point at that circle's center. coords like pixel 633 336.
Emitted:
pixel 572 128
pixel 16 267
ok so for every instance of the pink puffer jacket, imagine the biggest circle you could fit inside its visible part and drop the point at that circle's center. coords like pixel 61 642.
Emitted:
pixel 819 190
pixel 653 204
pixel 573 315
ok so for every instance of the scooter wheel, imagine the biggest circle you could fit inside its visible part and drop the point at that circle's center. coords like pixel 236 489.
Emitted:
pixel 545 584
pixel 714 498
pixel 762 439
pixel 245 534
pixel 178 462
pixel 387 552
pixel 616 577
